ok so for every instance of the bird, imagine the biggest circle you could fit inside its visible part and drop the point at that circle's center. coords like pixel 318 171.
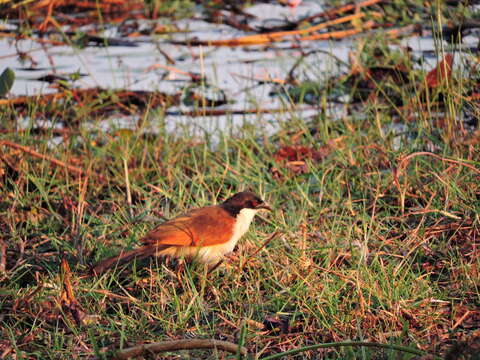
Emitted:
pixel 204 234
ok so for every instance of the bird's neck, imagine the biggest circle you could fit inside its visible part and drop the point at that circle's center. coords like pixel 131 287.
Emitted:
pixel 246 215
pixel 242 215
pixel 231 209
pixel 242 223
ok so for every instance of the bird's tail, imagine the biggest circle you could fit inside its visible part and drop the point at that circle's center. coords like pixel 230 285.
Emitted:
pixel 123 258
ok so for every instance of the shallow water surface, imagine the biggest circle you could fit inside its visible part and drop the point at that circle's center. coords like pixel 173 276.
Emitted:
pixel 233 73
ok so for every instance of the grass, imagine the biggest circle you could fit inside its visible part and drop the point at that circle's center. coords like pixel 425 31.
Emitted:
pixel 378 238
pixel 349 263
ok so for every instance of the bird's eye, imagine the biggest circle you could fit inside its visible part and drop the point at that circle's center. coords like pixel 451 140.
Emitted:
pixel 253 204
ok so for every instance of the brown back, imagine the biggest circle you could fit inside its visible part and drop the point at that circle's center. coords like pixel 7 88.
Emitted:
pixel 206 226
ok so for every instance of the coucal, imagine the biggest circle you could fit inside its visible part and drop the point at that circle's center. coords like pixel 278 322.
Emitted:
pixel 205 234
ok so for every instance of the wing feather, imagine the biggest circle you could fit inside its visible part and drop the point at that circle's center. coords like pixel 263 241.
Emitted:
pixel 201 227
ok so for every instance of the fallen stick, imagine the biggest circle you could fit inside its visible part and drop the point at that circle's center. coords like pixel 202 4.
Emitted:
pixel 403 31
pixel 265 243
pixel 342 9
pixel 261 39
pixel 44 99
pixel 174 345
pixel 403 161
pixel 221 112
pixel 339 34
pixel 34 153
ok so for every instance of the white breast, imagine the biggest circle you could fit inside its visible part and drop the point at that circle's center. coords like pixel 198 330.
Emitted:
pixel 214 253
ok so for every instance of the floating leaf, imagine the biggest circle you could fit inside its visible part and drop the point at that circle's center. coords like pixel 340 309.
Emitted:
pixel 6 81
pixel 441 73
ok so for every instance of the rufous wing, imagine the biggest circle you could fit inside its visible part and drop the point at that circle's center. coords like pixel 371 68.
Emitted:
pixel 206 226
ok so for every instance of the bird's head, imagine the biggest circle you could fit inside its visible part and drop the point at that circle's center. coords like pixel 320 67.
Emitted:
pixel 245 200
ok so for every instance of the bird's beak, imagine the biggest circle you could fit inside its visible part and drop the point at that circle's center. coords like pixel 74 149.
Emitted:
pixel 263 206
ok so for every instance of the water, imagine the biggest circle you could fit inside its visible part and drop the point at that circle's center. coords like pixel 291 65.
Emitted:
pixel 231 72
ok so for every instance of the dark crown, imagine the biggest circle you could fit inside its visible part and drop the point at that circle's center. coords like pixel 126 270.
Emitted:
pixel 242 200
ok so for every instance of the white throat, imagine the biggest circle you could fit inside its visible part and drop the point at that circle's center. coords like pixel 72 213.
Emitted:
pixel 245 216
pixel 243 221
